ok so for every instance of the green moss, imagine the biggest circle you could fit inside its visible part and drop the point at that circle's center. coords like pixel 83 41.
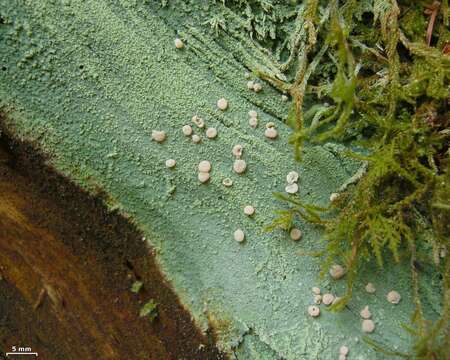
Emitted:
pixel 388 92
pixel 149 310
pixel 136 287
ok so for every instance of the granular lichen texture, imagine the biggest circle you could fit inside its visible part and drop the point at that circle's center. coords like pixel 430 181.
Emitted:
pixel 90 81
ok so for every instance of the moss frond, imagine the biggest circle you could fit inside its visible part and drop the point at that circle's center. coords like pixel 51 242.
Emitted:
pixel 150 310
pixel 389 92
pixel 285 218
pixel 373 73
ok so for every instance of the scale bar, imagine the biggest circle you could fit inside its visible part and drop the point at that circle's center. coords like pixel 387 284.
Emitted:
pixel 22 353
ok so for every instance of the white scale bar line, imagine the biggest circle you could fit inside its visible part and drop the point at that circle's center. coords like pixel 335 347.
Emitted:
pixel 21 353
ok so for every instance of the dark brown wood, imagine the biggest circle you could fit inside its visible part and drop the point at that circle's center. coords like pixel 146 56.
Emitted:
pixel 66 268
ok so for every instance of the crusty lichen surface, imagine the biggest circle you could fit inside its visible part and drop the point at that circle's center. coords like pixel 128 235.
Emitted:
pixel 89 80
